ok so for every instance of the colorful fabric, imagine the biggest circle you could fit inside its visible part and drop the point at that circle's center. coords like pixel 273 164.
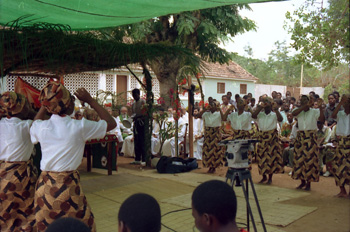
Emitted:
pixel 59 194
pixel 14 103
pixel 286 129
pixel 306 155
pixel 30 92
pixel 55 97
pixel 17 196
pixel 269 153
pixel 341 162
pixel 213 154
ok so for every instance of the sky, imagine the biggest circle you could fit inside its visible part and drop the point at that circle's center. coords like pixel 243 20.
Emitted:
pixel 269 18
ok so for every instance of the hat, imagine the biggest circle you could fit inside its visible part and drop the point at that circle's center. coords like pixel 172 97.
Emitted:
pixel 12 103
pixel 56 98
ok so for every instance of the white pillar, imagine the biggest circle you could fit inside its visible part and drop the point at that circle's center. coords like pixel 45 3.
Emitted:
pixel 102 81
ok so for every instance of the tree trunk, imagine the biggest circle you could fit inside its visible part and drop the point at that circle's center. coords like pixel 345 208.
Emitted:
pixel 166 71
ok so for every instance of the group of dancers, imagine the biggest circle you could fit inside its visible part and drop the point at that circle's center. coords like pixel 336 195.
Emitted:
pixel 269 149
pixel 32 203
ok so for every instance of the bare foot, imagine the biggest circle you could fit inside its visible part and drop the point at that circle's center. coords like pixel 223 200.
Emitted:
pixel 342 194
pixel 263 180
pixel 301 186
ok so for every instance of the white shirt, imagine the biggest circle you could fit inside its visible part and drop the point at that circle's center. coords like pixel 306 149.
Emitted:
pixel 293 134
pixel 197 126
pixel 343 123
pixel 240 122
pixel 182 128
pixel 185 117
pixel 284 116
pixel 212 119
pixel 62 140
pixel 15 144
pixel 121 126
pixel 267 122
pixel 308 120
pixel 116 130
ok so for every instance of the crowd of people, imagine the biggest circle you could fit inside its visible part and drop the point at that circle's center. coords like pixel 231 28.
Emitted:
pixel 300 133
pixel 307 134
pixel 310 136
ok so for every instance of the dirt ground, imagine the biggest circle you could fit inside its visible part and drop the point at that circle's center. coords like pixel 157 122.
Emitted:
pixel 332 214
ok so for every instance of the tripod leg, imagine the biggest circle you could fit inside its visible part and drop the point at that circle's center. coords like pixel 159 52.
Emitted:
pixel 245 191
pixel 257 203
pixel 246 186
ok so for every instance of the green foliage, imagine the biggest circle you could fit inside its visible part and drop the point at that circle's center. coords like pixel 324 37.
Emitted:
pixel 321 34
pixel 281 67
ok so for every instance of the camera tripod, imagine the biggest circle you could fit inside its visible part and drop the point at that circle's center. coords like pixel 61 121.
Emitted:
pixel 239 175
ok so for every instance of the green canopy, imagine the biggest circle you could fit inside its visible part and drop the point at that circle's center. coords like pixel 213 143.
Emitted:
pixel 95 14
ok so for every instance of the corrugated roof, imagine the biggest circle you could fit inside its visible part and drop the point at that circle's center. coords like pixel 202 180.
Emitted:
pixel 232 70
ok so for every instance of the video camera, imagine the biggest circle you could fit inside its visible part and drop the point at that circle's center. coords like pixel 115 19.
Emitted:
pixel 237 152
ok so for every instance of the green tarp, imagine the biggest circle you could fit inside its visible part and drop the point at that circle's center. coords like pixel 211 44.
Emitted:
pixel 95 14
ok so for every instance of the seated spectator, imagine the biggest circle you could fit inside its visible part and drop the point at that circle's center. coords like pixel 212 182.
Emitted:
pixel 68 224
pixel 214 207
pixel 289 151
pixel 139 213
pixel 292 102
pixel 330 107
pixel 78 115
pixel 323 135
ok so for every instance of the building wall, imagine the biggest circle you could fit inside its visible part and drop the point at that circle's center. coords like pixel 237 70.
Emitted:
pixel 210 87
pixel 261 89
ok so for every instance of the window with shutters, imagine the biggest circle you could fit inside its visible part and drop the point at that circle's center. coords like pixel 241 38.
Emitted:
pixel 221 87
pixel 243 89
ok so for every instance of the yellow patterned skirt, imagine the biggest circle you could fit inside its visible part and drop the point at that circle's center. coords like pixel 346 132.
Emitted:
pixel 269 153
pixel 241 134
pixel 305 159
pixel 17 196
pixel 341 162
pixel 213 154
pixel 59 194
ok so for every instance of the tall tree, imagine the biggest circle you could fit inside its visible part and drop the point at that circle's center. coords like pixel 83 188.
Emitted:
pixel 201 31
pixel 320 32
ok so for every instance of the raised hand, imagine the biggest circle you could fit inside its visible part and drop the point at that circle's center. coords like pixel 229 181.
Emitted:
pixel 83 95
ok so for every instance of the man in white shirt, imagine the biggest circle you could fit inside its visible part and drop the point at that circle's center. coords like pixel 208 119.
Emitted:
pixel 198 134
pixel 17 174
pixel 170 143
pixel 124 116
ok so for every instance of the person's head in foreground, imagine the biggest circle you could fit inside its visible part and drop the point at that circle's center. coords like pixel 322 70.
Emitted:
pixel 139 213
pixel 14 105
pixel 214 207
pixel 57 99
pixel 68 224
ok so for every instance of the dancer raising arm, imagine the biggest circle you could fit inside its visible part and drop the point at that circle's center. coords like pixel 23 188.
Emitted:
pixel 341 161
pixel 58 191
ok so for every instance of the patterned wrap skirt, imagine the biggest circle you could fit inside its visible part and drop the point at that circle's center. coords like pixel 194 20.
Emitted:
pixel 341 162
pixel 241 134
pixel 305 160
pixel 17 196
pixel 59 194
pixel 269 153
pixel 213 154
